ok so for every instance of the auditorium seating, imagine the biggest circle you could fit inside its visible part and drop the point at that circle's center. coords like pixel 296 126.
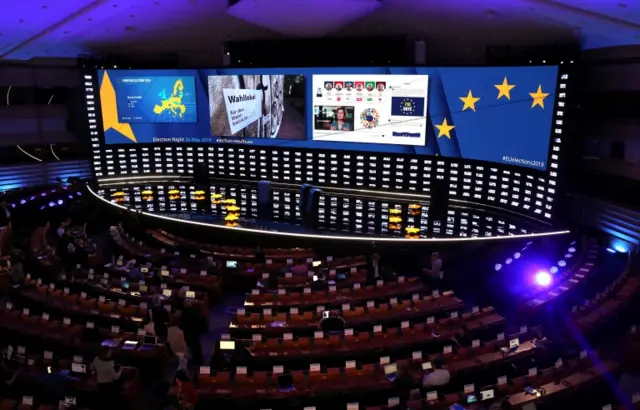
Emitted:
pixel 398 321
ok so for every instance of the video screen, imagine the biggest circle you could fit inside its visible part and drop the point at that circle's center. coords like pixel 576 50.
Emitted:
pixel 382 109
pixel 256 106
pixel 155 99
pixel 497 114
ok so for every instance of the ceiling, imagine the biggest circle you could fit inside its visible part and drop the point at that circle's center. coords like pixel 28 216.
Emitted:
pixel 197 29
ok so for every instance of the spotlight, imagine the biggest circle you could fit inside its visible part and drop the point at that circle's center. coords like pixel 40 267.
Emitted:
pixel 508 261
pixel 611 250
pixel 542 279
pixel 562 264
pixel 79 193
pixel 498 267
pixel 568 255
pixel 43 194
pixel 60 201
pixel 70 196
pixel 23 201
pixel 572 249
pixel 52 204
pixel 516 255
pixel 554 269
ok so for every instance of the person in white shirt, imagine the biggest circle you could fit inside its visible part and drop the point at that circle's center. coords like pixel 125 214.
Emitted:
pixel 438 377
pixel 177 345
pixel 175 338
pixel 108 376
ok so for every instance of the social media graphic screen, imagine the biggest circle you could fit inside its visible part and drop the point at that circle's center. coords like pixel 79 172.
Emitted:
pixel 376 109
pixel 257 106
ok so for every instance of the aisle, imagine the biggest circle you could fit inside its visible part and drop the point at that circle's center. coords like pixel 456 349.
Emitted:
pixel 219 319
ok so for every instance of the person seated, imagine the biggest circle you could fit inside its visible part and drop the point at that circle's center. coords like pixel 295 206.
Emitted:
pixel 321 283
pixel 133 273
pixel 16 270
pixel 332 323
pixel 186 393
pixel 80 255
pixel 7 375
pixel 54 384
pixel 63 227
pixel 300 268
pixel 4 267
pixel 155 279
pixel 439 376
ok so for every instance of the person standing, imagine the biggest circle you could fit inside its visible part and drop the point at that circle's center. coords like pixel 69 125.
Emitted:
pixel 193 325
pixel 434 275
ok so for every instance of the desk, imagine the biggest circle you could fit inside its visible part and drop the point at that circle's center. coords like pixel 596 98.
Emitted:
pixel 572 382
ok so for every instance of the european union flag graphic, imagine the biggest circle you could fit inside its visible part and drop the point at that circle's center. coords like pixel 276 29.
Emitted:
pixel 501 114
pixel 407 106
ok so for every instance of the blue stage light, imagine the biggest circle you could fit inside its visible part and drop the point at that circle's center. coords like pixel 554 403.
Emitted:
pixel 498 267
pixel 562 264
pixel 517 255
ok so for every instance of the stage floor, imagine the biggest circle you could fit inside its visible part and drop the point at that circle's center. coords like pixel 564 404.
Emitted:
pixel 379 217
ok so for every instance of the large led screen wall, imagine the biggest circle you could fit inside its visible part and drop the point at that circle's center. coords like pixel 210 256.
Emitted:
pixel 497 114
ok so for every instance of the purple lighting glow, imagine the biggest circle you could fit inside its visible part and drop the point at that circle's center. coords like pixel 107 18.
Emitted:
pixel 542 279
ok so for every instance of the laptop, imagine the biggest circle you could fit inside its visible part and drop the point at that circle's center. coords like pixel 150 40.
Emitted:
pixel 487 395
pixel 471 398
pixel 78 369
pixel 232 264
pixel 285 383
pixel 391 372
pixel 227 345
pixel 129 345
pixel 315 264
pixel 112 343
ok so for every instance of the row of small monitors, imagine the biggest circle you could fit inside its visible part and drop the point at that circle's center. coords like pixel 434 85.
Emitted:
pixel 335 212
pixel 523 190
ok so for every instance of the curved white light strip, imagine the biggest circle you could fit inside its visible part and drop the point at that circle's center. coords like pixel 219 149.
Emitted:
pixel 27 154
pixel 50 99
pixel 8 94
pixel 53 152
pixel 339 238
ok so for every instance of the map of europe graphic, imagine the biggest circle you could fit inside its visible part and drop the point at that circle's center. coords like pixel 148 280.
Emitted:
pixel 156 99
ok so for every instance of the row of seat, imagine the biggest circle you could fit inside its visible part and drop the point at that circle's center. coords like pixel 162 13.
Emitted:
pixel 394 310
pixel 351 376
pixel 66 333
pixel 357 342
pixel 553 381
pixel 351 294
pixel 231 252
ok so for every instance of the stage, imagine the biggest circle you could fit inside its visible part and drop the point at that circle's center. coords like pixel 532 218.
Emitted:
pixel 342 215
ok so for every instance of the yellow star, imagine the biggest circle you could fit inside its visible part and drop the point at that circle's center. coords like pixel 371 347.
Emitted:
pixel 504 89
pixel 110 110
pixel 444 129
pixel 538 97
pixel 469 101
